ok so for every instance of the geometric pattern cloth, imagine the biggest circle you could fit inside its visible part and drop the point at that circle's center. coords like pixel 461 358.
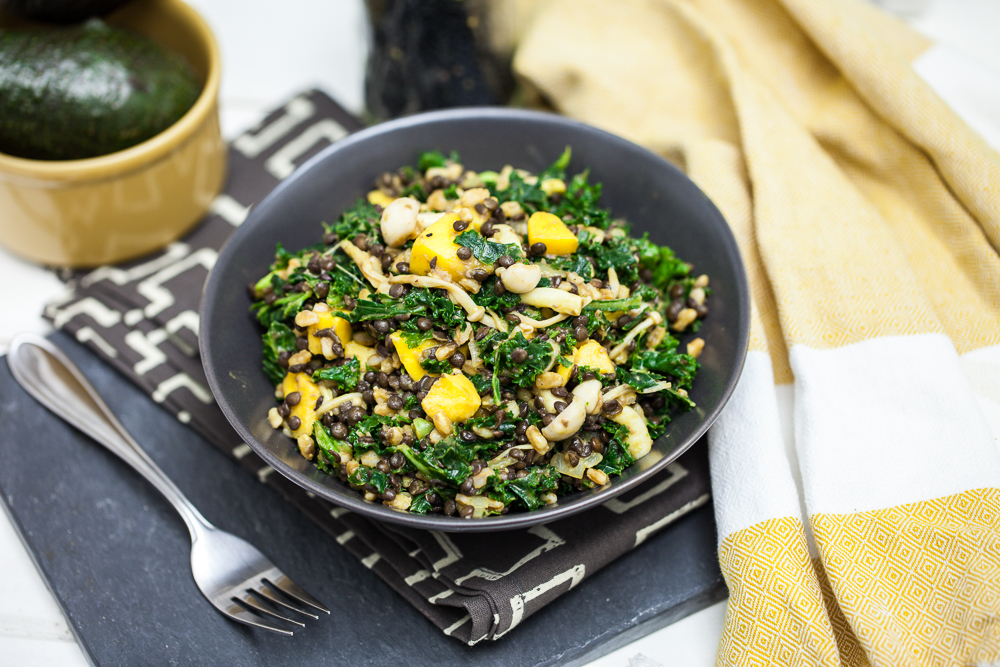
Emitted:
pixel 142 318
pixel 868 216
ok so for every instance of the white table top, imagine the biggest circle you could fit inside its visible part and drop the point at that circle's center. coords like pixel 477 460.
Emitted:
pixel 266 60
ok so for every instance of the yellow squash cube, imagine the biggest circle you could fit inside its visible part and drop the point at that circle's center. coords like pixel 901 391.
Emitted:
pixel 305 408
pixel 358 351
pixel 438 241
pixel 548 229
pixel 410 357
pixel 380 198
pixel 592 355
pixel 340 326
pixel 453 394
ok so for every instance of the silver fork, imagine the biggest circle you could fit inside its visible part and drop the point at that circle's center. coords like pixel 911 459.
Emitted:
pixel 236 578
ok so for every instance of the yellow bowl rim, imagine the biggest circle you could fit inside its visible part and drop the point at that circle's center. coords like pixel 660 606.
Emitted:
pixel 142 154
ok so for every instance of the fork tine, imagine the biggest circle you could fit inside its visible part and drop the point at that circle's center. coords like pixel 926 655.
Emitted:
pixel 250 604
pixel 264 590
pixel 237 613
pixel 290 588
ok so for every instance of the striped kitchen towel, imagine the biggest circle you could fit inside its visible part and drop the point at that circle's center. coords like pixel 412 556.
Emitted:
pixel 868 214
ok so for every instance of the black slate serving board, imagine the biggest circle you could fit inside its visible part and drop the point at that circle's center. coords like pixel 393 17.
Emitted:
pixel 116 557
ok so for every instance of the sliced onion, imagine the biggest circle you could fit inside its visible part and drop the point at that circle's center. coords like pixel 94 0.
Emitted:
pixel 559 463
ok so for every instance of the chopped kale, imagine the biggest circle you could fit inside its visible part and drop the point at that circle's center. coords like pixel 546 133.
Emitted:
pixel 616 456
pixel 345 375
pixel 671 362
pixel 415 190
pixel 578 263
pixel 640 380
pixel 420 505
pixel 347 279
pixel 278 338
pixel 434 365
pixel 614 305
pixel 528 489
pixel 481 383
pixel 558 168
pixel 284 308
pixel 487 252
pixel 530 197
pixel 487 296
pixel 614 253
pixel 580 203
pixel 521 374
pixel 433 303
pixel 363 475
pixel 362 218
pixel 366 434
pixel 414 337
pixel 436 159
pixel 448 460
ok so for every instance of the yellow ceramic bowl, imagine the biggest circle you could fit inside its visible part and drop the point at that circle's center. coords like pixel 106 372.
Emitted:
pixel 114 207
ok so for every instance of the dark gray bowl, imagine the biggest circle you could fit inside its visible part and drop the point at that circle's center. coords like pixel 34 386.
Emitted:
pixel 638 185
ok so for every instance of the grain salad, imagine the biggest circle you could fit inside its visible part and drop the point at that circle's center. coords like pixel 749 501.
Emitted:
pixel 471 343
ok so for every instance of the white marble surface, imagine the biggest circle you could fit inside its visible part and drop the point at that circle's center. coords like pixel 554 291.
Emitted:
pixel 267 56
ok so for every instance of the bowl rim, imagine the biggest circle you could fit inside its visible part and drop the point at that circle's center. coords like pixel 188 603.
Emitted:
pixel 438 522
pixel 147 152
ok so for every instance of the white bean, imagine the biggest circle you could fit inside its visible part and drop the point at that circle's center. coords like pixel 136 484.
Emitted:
pixel 521 278
pixel 566 422
pixel 399 221
pixel 589 395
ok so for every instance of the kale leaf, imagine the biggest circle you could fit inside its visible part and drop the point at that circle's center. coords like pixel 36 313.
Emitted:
pixel 345 376
pixel 487 252
pixel 487 296
pixel 436 158
pixel 363 475
pixel 433 303
pixel 277 338
pixel 616 456
pixel 362 218
pixel 523 374
pixel 528 489
pixel 481 383
pixel 449 459
pixel 614 253
pixel 678 365
pixel 639 379
pixel 420 505
pixel 434 365
pixel 530 197
pixel 283 309
pixel 558 168
pixel 580 203
pixel 578 263
pixel 614 305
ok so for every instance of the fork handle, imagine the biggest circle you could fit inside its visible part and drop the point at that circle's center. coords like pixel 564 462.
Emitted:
pixel 55 381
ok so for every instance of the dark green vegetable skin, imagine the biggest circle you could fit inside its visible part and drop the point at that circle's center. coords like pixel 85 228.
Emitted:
pixel 60 11
pixel 89 90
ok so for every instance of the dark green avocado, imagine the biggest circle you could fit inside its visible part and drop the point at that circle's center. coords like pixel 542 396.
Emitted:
pixel 60 11
pixel 89 90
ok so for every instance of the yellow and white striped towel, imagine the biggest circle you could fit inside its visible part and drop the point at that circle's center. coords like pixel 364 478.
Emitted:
pixel 869 218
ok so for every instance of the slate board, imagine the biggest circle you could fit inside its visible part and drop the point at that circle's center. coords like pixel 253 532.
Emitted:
pixel 116 557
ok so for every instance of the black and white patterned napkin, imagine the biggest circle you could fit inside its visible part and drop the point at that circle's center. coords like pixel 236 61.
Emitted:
pixel 142 317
